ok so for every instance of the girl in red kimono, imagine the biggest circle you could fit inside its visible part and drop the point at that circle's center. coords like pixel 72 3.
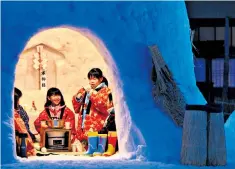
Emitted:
pixel 20 126
pixel 94 106
pixel 55 108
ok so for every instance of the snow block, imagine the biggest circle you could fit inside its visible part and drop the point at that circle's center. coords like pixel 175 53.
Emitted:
pixel 125 29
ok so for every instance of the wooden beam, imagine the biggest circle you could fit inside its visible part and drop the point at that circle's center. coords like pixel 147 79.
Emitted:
pixel 226 61
pixel 209 22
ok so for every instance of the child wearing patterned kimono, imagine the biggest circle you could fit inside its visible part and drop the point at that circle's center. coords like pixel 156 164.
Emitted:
pixel 55 108
pixel 23 114
pixel 95 110
pixel 20 126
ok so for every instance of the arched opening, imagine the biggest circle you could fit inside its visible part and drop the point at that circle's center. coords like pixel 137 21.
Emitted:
pixel 71 53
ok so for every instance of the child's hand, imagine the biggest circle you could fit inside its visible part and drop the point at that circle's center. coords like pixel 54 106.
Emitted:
pixel 87 88
pixel 79 95
pixel 44 126
pixel 92 91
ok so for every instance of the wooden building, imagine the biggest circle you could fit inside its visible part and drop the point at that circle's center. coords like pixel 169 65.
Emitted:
pixel 208 22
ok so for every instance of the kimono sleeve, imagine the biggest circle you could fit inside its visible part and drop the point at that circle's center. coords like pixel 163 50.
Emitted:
pixel 70 117
pixel 77 102
pixel 20 127
pixel 42 116
pixel 101 100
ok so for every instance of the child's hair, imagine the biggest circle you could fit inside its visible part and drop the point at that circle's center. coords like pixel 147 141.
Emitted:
pixel 54 91
pixel 97 73
pixel 17 96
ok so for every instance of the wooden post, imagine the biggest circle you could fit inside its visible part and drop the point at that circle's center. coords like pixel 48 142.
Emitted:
pixel 226 61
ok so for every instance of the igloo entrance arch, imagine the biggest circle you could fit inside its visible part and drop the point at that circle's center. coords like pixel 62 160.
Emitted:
pixel 71 53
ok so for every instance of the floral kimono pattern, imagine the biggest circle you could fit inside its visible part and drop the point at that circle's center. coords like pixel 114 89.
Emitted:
pixel 64 113
pixel 93 114
pixel 21 128
pixel 24 116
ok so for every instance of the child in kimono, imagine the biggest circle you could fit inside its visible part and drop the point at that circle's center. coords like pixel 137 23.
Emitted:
pixel 23 114
pixel 55 108
pixel 20 124
pixel 95 110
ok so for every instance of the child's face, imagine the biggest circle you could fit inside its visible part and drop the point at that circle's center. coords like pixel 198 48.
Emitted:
pixel 55 99
pixel 94 82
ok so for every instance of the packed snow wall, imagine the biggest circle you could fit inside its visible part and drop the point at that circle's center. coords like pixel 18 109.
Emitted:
pixel 230 137
pixel 124 30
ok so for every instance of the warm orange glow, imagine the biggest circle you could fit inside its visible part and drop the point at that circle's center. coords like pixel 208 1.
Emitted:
pixel 70 56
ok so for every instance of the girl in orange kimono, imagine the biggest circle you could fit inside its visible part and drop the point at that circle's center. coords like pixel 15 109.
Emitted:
pixel 20 126
pixel 55 108
pixel 93 105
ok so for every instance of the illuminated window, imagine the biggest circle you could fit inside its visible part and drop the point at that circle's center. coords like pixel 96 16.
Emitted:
pixel 218 70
